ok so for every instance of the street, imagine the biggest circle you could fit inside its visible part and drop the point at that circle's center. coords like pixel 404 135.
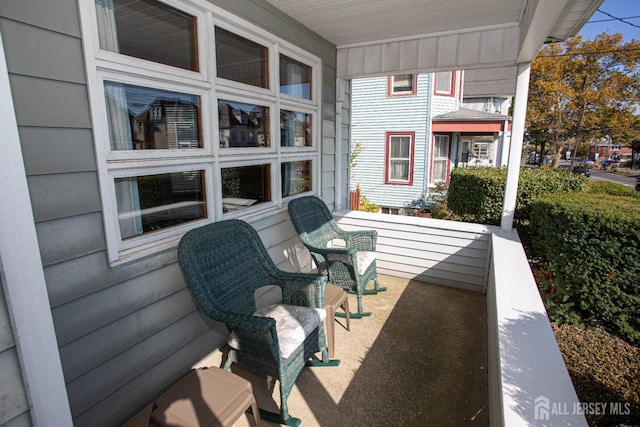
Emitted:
pixel 597 175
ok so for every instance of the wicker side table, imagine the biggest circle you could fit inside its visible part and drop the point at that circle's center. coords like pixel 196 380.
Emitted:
pixel 334 297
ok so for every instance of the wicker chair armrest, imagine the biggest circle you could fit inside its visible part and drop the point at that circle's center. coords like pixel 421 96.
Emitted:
pixel 362 240
pixel 302 289
pixel 349 251
pixel 234 321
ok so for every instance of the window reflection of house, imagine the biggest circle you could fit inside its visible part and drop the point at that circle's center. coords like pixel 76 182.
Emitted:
pixel 166 125
pixel 242 126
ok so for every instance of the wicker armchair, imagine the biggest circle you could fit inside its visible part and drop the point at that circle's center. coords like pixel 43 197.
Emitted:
pixel 351 267
pixel 224 263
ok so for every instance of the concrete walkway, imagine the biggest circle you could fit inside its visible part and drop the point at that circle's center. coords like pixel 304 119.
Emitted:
pixel 420 360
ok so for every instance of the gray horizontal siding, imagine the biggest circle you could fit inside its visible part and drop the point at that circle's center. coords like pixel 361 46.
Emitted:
pixel 56 196
pixel 127 332
pixel 57 150
pixel 13 400
pixel 439 252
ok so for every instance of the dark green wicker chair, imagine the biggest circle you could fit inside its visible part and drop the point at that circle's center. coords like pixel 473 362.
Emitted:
pixel 224 263
pixel 318 230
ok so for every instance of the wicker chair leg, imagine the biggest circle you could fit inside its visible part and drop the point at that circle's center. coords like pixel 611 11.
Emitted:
pixel 376 285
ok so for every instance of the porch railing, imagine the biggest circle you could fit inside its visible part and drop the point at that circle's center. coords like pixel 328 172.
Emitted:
pixel 528 380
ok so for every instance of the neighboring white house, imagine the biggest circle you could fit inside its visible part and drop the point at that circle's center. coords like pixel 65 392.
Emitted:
pixel 412 130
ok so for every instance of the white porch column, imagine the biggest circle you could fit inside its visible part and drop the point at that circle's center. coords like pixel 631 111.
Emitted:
pixel 24 285
pixel 515 148
pixel 340 89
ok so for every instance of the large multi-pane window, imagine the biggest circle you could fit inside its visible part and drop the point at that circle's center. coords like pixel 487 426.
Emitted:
pixel 188 106
pixel 399 158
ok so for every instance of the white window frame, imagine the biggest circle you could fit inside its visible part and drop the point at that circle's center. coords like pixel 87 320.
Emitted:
pixel 104 65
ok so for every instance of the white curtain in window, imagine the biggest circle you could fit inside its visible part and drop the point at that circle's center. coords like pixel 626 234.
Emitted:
pixel 440 157
pixel 107 30
pixel 291 183
pixel 294 74
pixel 439 170
pixel 400 170
pixel 287 129
pixel 127 194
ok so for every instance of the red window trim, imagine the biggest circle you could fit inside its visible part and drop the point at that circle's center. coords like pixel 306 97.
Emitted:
pixel 452 92
pixel 392 94
pixel 388 136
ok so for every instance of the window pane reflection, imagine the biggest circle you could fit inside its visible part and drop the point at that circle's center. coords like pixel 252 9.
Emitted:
pixel 142 118
pixel 296 177
pixel 245 186
pixel 241 60
pixel 148 29
pixel 295 129
pixel 295 78
pixel 153 202
pixel 243 125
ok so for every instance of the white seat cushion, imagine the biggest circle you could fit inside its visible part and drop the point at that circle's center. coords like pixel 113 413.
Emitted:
pixel 293 324
pixel 365 258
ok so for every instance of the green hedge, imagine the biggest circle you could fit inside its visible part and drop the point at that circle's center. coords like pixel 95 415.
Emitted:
pixel 477 194
pixel 591 245
pixel 612 188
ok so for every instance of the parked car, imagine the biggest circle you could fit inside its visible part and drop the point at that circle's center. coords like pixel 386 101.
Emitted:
pixel 581 170
pixel 638 183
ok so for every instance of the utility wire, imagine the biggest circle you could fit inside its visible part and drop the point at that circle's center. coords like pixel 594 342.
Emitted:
pixel 618 19
pixel 612 19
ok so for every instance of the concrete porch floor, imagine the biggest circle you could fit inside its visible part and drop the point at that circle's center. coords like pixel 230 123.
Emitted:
pixel 420 360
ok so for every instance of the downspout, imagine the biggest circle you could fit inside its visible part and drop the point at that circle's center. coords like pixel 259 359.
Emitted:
pixel 515 149
pixel 428 137
pixel 338 155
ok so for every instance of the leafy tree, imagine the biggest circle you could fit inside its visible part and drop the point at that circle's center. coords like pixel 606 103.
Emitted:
pixel 584 90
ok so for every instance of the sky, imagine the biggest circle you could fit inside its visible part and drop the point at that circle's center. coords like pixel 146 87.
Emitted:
pixel 600 22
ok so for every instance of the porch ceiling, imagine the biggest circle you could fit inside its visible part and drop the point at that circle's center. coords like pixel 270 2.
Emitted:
pixel 484 33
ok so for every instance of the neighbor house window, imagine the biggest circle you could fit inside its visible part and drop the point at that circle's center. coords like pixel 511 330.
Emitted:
pixel 402 84
pixel 399 158
pixel 185 115
pixel 445 83
pixel 440 158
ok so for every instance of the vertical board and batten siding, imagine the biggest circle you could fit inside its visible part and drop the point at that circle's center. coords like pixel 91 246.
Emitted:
pixel 439 252
pixel 481 48
pixel 124 332
pixel 373 114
